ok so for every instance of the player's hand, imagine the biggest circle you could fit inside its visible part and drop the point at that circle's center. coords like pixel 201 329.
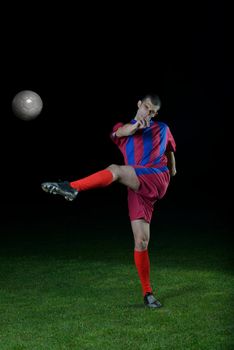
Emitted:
pixel 142 124
pixel 173 171
pixel 130 129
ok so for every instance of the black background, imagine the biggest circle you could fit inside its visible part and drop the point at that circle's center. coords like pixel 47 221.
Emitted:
pixel 90 66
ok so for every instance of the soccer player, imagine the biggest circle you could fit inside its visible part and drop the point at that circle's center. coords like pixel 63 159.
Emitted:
pixel 148 149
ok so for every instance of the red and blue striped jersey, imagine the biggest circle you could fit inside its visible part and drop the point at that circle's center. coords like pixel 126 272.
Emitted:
pixel 147 147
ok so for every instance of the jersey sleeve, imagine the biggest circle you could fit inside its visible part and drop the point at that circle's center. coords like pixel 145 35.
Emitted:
pixel 171 145
pixel 113 137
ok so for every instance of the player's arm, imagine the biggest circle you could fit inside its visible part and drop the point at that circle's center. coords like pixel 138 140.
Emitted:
pixel 130 129
pixel 171 163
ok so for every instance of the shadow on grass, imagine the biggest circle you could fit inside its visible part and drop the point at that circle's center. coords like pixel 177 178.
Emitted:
pixel 135 306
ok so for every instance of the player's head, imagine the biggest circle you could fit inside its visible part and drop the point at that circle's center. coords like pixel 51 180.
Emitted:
pixel 148 106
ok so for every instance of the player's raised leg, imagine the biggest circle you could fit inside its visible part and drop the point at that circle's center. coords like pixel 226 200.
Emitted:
pixel 124 174
pixel 141 232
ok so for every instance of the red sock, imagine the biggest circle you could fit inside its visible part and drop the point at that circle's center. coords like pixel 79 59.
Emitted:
pixel 100 179
pixel 143 267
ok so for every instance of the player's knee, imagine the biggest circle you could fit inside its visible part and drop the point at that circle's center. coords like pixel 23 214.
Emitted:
pixel 141 244
pixel 115 169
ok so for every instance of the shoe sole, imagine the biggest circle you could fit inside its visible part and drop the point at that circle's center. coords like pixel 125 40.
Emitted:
pixel 54 189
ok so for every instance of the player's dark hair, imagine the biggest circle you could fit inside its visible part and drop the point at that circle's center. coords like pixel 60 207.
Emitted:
pixel 154 99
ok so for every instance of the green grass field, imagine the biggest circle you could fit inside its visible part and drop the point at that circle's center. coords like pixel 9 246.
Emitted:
pixel 66 285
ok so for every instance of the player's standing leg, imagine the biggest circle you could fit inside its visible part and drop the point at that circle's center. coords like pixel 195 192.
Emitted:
pixel 141 232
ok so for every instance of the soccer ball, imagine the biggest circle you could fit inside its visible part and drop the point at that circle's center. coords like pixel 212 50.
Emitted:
pixel 27 105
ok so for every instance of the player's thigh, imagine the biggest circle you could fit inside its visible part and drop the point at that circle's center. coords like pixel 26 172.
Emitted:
pixel 128 177
pixel 141 230
pixel 125 174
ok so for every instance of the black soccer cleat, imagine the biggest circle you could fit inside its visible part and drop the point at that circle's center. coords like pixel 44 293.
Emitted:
pixel 150 301
pixel 62 187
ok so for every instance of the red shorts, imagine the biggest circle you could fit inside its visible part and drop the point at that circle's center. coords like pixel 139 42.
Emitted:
pixel 152 188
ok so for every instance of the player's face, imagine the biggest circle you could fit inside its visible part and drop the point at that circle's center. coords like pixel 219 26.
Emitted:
pixel 146 109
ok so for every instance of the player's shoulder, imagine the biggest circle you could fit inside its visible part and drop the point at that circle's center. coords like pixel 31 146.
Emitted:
pixel 161 124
